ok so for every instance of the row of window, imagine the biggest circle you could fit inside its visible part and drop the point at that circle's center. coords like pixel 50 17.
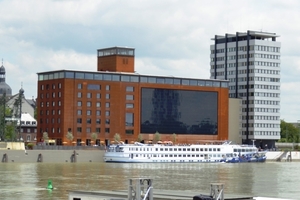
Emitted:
pixel 264 102
pixel 261 117
pixel 274 133
pixel 52 95
pixel 251 48
pixel 265 79
pixel 47 86
pixel 270 110
pixel 126 78
pixel 261 125
pixel 89 112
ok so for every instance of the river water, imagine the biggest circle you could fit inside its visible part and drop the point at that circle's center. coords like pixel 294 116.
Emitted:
pixel 29 180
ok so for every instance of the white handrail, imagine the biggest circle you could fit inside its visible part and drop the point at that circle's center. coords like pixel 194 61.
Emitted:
pixel 147 193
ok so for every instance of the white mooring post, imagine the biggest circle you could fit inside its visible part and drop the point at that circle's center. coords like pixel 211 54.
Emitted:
pixel 140 189
pixel 217 191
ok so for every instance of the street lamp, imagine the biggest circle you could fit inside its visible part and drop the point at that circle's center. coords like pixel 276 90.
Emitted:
pixel 21 92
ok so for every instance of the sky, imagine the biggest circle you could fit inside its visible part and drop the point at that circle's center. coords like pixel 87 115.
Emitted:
pixel 170 37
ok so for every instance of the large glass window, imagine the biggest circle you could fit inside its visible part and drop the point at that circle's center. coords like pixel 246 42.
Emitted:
pixel 179 111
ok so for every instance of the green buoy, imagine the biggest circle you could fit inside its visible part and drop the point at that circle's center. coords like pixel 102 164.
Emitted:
pixel 50 187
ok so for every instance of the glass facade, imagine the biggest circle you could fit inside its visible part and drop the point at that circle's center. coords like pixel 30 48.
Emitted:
pixel 179 111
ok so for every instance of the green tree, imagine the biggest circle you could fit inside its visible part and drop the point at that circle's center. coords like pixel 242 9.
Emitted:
pixel 117 137
pixel 70 136
pixel 45 136
pixel 174 138
pixel 10 132
pixel 140 138
pixel 288 132
pixel 156 137
pixel 94 137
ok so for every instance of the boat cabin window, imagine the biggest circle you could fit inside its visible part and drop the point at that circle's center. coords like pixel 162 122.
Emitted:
pixel 183 155
pixel 218 149
pixel 193 149
pixel 179 149
pixel 156 149
pixel 175 155
pixel 175 149
pixel 161 149
pixel 171 155
pixel 171 149
pixel 201 149
pixel 209 149
pixel 184 149
pixel 188 149
pixel 179 155
pixel 166 149
pixel 197 149
pixel 214 149
pixel 205 149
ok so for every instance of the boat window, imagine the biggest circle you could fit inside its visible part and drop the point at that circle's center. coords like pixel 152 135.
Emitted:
pixel 179 155
pixel 218 149
pixel 201 155
pixel 183 155
pixel 209 149
pixel 175 149
pixel 188 155
pixel 166 149
pixel 171 155
pixel 179 149
pixel 166 155
pixel 136 155
pixel 205 149
pixel 201 149
pixel 197 155
pixel 214 149
pixel 156 149
pixel 137 149
pixel 161 149
pixel 154 155
pixel 184 149
pixel 175 155
pixel 171 149
pixel 161 155
pixel 193 155
pixel 197 149
pixel 188 149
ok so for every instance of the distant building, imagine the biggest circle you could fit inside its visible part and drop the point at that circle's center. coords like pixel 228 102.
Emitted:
pixel 251 63
pixel 115 99
pixel 4 87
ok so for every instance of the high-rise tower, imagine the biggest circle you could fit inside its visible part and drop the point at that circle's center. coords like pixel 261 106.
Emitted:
pixel 251 63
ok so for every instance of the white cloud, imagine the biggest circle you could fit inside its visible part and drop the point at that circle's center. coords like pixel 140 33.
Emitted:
pixel 170 37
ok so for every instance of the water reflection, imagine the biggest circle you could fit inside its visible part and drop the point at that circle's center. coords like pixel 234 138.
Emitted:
pixel 29 181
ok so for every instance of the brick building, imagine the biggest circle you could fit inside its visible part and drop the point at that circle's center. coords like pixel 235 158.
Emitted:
pixel 115 99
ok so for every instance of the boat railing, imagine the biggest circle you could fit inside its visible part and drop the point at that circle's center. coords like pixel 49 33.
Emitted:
pixel 147 193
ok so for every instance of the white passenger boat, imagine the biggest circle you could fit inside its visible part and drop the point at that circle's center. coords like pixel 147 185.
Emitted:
pixel 207 153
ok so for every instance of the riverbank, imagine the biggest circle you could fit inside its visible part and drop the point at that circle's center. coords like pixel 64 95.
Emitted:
pixel 84 156
pixel 51 156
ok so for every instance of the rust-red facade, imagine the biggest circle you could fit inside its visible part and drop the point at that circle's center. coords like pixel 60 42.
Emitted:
pixel 114 99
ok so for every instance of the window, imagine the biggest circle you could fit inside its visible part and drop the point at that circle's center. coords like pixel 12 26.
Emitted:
pixel 107 105
pixel 107 130
pixel 130 132
pixel 88 129
pixel 107 113
pixel 129 89
pixel 79 120
pixel 79 103
pixel 98 112
pixel 107 87
pixel 98 104
pixel 88 112
pixel 79 94
pixel 79 86
pixel 88 104
pixel 98 95
pixel 97 130
pixel 107 96
pixel 98 121
pixel 79 129
pixel 89 95
pixel 107 121
pixel 79 112
pixel 88 121
pixel 129 119
pixel 129 105
pixel 129 97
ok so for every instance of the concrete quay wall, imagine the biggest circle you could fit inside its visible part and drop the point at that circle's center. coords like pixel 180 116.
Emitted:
pixel 84 156
pixel 51 156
